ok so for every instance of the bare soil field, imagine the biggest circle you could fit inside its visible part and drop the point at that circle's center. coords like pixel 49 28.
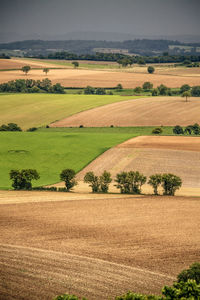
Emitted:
pixel 154 154
pixel 93 247
pixel 129 78
pixel 155 111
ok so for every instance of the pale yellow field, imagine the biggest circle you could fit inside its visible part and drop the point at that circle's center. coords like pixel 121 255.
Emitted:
pixel 128 77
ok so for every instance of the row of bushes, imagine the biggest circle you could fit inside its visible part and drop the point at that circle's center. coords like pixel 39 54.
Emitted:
pixel 127 182
pixel 195 129
pixel 31 86
pixel 187 286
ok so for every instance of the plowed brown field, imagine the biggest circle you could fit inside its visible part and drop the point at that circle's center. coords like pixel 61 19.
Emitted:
pixel 154 154
pixel 94 247
pixel 157 111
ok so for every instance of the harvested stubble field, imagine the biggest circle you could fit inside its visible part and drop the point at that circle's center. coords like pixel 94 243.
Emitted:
pixel 6 64
pixel 154 154
pixel 151 111
pixel 129 78
pixel 97 246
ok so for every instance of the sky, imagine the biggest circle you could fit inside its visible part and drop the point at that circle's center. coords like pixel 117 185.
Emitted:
pixel 140 17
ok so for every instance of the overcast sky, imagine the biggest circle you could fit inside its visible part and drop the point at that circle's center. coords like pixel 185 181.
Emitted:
pixel 141 17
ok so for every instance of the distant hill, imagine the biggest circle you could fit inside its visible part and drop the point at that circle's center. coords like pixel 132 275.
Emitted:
pixel 137 46
pixel 97 36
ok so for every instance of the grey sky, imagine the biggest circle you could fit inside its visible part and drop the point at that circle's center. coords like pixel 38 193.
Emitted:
pixel 143 17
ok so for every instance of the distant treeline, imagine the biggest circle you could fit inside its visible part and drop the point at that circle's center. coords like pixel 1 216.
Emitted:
pixel 137 46
pixel 32 86
pixel 117 57
pixel 4 56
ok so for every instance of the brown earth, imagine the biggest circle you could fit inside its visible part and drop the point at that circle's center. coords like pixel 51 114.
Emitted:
pixel 94 247
pixel 155 111
pixel 153 154
pixel 129 78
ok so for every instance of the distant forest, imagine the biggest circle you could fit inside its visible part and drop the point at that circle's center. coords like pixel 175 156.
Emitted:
pixel 139 46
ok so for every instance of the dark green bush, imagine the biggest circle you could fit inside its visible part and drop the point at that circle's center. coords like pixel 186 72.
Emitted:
pixel 157 130
pixel 178 130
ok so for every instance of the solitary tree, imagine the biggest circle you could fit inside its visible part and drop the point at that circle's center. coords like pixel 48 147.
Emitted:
pixel 186 95
pixel 26 69
pixel 68 176
pixel 76 64
pixel 147 86
pixel 151 70
pixel 105 180
pixel 155 180
pixel 170 184
pixel 93 180
pixel 46 70
pixel 22 179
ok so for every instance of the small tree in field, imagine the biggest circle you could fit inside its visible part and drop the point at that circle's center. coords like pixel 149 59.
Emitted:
pixel 170 184
pixel 93 180
pixel 151 70
pixel 147 86
pixel 155 180
pixel 186 95
pixel 22 179
pixel 46 70
pixel 105 180
pixel 76 64
pixel 26 69
pixel 68 176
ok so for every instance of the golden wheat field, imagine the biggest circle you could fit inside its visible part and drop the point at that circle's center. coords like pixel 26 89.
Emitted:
pixel 128 77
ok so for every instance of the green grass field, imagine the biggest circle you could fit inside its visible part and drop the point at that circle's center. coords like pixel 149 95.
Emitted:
pixel 35 110
pixel 49 151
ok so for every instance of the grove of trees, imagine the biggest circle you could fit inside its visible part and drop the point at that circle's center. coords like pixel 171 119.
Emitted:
pixel 32 86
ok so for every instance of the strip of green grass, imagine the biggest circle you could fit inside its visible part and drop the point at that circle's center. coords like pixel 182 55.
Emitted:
pixel 35 110
pixel 52 151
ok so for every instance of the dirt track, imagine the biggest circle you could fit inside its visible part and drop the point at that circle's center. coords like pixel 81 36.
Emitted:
pixel 95 247
pixel 157 111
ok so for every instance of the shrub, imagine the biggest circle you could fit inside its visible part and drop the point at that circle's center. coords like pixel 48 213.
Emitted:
pixel 119 86
pixel 195 92
pixel 151 70
pixel 192 273
pixel 157 130
pixel 155 92
pixel 178 130
pixel 170 184
pixel 147 86
pixel 89 90
pixel 163 90
pixel 68 176
pixel 22 179
pixel 100 91
pixel 10 127
pixel 32 129
pixel 105 180
pixel 93 180
pixel 155 180
pixel 138 89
